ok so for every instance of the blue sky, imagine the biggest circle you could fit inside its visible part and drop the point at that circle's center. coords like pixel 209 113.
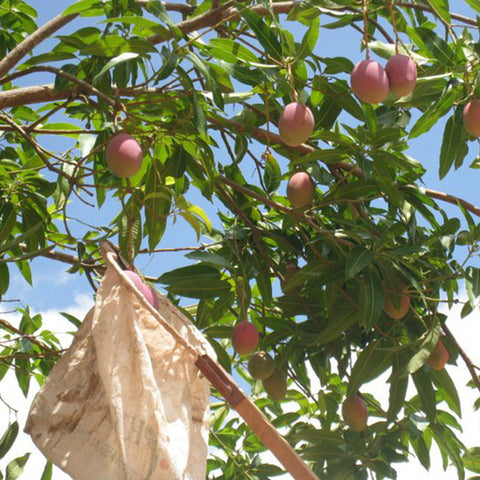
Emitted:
pixel 54 290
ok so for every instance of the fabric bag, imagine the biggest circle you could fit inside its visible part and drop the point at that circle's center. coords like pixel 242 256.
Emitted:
pixel 126 400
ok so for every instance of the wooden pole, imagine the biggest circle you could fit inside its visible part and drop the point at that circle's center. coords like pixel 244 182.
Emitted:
pixel 226 386
pixel 255 419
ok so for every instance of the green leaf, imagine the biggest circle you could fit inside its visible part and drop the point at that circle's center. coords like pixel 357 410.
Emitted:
pixel 426 393
pixel 441 8
pixel 200 214
pixel 229 51
pixel 371 299
pixel 5 364
pixel 319 272
pixel 371 363
pixel 176 163
pixel 47 472
pixel 22 372
pixel 472 285
pixel 72 319
pixel 4 278
pixel 79 39
pixel 398 388
pixel 272 174
pixel 114 45
pixel 426 347
pixel 143 24
pixel 474 4
pixel 202 67
pixel 353 190
pixel 452 138
pixel 339 92
pixel 359 258
pixel 434 112
pixel 8 217
pixel 48 58
pixel 384 175
pixel 262 31
pixel 421 450
pixel 342 314
pixel 324 444
pixel 471 459
pixel 447 389
pixel 80 7
pixel 449 446
pixel 30 232
pixel 157 204
pixel 439 48
pixel 8 438
pixel 129 225
pixel 123 57
pixel 16 466
pixel 196 281
pixel 309 40
pixel 210 258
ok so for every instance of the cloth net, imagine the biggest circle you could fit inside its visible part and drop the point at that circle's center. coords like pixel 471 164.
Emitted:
pixel 126 401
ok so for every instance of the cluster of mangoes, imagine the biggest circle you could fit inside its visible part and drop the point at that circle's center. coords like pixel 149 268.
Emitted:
pixel 260 365
pixel 371 83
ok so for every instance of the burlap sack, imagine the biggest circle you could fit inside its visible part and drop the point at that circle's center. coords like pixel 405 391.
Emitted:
pixel 126 400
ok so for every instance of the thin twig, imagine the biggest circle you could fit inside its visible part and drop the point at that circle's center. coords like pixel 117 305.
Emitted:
pixel 464 356
pixel 8 326
pixel 179 249
pixel 37 148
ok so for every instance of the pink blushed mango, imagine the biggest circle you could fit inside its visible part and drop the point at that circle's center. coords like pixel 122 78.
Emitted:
pixel 147 290
pixel 439 356
pixel 397 301
pixel 245 338
pixel 295 124
pixel 402 75
pixel 471 118
pixel 355 414
pixel 124 155
pixel 300 189
pixel 369 81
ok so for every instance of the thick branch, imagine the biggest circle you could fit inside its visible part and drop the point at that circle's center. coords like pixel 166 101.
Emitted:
pixel 25 47
pixel 82 84
pixel 216 15
pixel 453 200
pixel 31 95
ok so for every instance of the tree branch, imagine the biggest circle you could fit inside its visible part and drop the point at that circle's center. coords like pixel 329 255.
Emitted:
pixel 8 326
pixel 216 15
pixel 82 84
pixel 31 95
pixel 464 356
pixel 207 19
pixel 37 37
pixel 445 197
pixel 425 8
pixel 55 24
